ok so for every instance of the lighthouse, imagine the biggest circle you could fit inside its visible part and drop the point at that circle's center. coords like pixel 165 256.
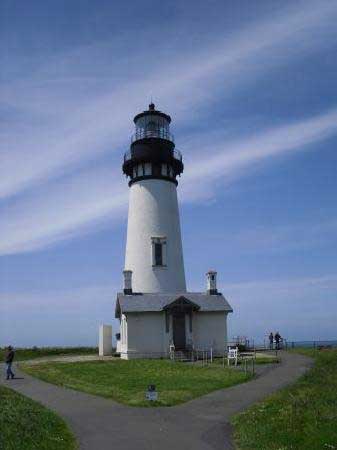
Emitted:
pixel 156 312
pixel 154 252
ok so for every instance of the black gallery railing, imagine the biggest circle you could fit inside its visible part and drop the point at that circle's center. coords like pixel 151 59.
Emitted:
pixel 160 133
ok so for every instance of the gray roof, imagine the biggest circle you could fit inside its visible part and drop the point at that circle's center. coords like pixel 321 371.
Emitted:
pixel 157 302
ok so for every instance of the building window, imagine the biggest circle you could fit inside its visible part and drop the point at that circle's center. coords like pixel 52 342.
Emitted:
pixel 158 251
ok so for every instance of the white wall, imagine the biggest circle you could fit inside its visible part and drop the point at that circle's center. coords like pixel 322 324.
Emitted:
pixel 210 330
pixel 146 336
pixel 105 340
pixel 153 212
pixel 143 335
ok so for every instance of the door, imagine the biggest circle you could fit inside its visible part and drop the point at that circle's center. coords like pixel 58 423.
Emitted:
pixel 179 334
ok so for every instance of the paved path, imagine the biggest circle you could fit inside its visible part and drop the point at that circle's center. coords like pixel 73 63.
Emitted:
pixel 201 424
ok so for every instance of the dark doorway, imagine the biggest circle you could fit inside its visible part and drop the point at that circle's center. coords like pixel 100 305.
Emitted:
pixel 179 334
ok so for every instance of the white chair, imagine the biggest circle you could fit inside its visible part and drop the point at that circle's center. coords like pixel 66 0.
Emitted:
pixel 172 351
pixel 232 354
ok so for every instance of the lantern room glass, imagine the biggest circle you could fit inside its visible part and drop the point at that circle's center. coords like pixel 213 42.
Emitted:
pixel 152 126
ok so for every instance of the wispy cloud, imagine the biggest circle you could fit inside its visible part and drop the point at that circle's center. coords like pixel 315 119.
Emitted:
pixel 81 203
pixel 69 119
pixel 230 160
pixel 64 117
pixel 71 208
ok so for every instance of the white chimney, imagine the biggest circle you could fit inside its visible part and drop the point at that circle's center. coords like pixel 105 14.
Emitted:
pixel 127 282
pixel 211 282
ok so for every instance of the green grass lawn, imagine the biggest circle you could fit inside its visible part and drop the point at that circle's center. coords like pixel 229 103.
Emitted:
pixel 127 381
pixel 27 425
pixel 301 417
pixel 22 354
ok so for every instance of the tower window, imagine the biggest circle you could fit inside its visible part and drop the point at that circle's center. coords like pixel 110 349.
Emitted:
pixel 158 254
pixel 158 251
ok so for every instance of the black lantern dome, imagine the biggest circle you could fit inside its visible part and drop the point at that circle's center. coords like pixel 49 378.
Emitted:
pixel 152 153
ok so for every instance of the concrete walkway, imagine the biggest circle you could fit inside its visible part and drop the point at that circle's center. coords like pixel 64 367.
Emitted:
pixel 201 424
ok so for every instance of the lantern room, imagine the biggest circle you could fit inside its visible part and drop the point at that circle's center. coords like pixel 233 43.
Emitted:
pixel 152 153
pixel 152 124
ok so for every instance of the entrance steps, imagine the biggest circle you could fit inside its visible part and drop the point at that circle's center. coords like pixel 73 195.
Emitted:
pixel 183 355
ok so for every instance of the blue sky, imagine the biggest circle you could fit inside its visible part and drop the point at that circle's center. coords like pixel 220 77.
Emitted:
pixel 251 88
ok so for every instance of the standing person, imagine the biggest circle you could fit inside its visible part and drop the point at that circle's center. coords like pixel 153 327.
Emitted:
pixel 271 341
pixel 9 360
pixel 277 340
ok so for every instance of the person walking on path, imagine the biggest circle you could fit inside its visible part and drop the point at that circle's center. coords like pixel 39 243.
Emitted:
pixel 9 361
pixel 277 340
pixel 271 341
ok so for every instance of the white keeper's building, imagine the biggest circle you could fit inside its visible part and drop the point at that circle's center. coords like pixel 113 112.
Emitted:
pixel 155 310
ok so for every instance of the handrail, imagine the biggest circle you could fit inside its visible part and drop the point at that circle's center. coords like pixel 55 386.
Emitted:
pixel 141 133
pixel 127 155
pixel 177 155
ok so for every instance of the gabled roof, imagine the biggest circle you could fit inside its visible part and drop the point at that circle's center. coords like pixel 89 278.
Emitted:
pixel 159 302
pixel 181 302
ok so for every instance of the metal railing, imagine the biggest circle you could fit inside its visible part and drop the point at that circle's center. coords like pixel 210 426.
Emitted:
pixel 177 155
pixel 246 361
pixel 311 344
pixel 127 155
pixel 160 133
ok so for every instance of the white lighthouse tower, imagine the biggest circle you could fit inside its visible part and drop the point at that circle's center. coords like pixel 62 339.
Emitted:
pixel 154 249
pixel 155 311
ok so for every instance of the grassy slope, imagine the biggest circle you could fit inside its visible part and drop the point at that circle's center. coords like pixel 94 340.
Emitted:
pixel 127 381
pixel 23 354
pixel 26 425
pixel 301 417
